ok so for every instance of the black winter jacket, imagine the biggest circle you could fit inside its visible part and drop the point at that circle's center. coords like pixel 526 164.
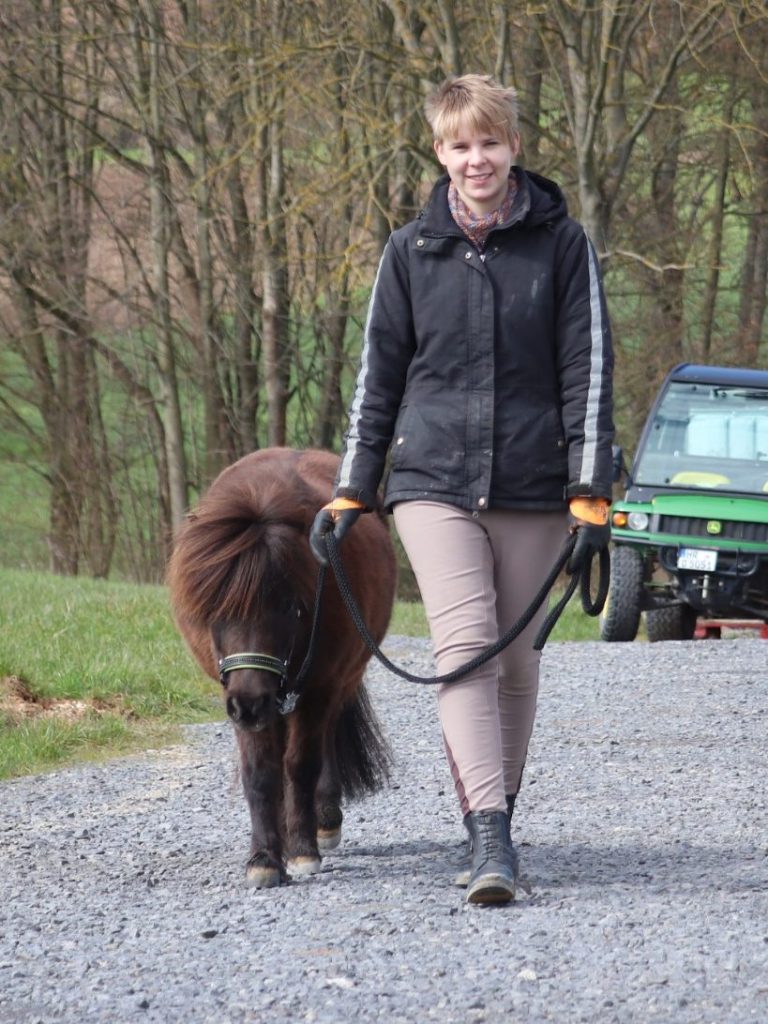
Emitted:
pixel 489 378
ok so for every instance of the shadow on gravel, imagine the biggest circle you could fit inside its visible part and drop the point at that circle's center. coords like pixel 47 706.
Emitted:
pixel 405 849
pixel 679 865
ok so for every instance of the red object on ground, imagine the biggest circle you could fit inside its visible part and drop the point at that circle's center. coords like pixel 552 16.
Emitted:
pixel 712 629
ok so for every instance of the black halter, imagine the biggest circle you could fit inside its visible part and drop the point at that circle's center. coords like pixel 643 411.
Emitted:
pixel 286 701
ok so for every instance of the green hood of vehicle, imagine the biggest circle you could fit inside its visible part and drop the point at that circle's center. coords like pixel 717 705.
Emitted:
pixel 704 506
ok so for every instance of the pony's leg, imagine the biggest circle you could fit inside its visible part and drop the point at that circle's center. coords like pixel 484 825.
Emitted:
pixel 328 797
pixel 301 771
pixel 260 760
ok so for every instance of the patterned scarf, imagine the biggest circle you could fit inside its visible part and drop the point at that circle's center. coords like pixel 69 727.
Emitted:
pixel 477 228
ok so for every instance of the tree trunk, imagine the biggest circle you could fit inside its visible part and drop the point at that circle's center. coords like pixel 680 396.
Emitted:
pixel 161 229
pixel 754 274
pixel 715 249
pixel 275 291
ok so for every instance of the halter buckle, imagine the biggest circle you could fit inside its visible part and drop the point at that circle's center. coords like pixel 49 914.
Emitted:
pixel 288 703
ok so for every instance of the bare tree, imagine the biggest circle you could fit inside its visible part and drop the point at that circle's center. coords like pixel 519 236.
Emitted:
pixel 197 194
pixel 754 272
pixel 44 248
pixel 592 48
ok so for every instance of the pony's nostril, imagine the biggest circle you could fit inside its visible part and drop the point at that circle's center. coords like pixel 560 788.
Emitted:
pixel 234 710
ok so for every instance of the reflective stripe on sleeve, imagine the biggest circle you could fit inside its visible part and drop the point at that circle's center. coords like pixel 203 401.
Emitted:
pixel 353 435
pixel 594 394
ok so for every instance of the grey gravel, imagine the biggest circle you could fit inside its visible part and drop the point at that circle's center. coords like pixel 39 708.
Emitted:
pixel 641 829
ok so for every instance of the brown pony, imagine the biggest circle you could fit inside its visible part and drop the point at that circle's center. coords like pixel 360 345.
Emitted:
pixel 242 585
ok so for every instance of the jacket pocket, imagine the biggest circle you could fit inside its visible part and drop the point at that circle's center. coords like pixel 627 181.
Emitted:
pixel 531 454
pixel 430 443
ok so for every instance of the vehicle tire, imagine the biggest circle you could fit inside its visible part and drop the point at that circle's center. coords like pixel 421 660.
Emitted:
pixel 620 618
pixel 678 622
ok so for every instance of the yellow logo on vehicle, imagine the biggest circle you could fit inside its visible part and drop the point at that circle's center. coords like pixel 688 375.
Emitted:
pixel 713 526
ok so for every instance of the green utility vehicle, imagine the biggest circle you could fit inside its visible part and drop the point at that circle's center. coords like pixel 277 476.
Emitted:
pixel 690 538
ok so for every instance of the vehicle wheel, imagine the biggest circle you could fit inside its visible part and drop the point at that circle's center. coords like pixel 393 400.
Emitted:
pixel 620 618
pixel 678 622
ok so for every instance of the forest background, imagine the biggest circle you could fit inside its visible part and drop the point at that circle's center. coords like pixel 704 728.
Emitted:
pixel 194 195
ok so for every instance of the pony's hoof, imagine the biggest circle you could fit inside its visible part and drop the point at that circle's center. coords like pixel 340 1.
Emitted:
pixel 328 838
pixel 304 865
pixel 258 877
pixel 265 871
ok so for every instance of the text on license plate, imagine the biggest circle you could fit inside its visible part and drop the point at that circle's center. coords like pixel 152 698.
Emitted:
pixel 697 559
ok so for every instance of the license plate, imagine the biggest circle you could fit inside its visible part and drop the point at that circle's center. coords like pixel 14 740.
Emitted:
pixel 697 559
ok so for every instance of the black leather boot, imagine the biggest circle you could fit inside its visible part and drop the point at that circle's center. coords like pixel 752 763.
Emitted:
pixel 461 878
pixel 494 859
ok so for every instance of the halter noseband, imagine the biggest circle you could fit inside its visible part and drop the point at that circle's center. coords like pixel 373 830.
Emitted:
pixel 286 702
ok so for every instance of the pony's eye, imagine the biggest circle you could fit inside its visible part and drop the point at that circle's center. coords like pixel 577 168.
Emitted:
pixel 283 605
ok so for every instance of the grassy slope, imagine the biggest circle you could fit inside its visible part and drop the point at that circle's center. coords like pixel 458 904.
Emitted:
pixel 113 644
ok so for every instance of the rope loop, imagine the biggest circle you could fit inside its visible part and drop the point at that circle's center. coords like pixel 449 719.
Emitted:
pixel 581 579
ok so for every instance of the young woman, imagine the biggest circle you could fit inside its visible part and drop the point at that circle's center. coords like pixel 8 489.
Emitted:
pixel 486 377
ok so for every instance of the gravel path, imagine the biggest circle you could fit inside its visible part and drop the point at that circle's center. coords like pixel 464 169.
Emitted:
pixel 642 832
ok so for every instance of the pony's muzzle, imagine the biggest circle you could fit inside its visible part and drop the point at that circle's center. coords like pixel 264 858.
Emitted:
pixel 251 713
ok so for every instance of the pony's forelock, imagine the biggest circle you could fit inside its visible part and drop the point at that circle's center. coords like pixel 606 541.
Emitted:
pixel 240 547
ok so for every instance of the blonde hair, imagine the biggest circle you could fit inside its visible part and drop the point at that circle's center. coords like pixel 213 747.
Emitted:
pixel 476 102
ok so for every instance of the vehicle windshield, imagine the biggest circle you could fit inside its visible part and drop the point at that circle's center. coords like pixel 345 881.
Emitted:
pixel 706 436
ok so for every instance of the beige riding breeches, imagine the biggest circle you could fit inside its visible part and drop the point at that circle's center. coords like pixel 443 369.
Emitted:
pixel 477 573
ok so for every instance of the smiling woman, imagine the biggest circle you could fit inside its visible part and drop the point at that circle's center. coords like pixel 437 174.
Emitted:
pixel 486 376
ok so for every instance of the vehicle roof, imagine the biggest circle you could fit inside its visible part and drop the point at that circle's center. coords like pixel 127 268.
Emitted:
pixel 729 375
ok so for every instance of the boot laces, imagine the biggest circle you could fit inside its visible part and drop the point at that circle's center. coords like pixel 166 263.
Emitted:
pixel 492 840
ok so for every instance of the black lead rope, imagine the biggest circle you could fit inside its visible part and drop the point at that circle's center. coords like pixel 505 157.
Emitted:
pixel 580 579
pixel 288 700
pixel 303 672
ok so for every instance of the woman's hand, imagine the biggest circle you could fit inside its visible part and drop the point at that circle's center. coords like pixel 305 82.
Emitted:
pixel 589 521
pixel 337 517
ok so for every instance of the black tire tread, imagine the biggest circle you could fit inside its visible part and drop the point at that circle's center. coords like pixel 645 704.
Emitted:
pixel 620 619
pixel 677 622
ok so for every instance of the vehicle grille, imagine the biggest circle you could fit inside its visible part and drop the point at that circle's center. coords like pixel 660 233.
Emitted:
pixel 685 526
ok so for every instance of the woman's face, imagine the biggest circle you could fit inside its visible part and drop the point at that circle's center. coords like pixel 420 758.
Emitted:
pixel 478 164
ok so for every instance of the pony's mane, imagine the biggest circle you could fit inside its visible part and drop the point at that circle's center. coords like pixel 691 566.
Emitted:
pixel 243 545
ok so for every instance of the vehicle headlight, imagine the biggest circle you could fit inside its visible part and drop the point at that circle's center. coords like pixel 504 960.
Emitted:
pixel 637 521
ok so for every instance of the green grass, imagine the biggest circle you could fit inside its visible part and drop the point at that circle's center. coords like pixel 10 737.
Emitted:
pixel 574 623
pixel 78 638
pixel 114 647
pixel 408 619
pixel 46 744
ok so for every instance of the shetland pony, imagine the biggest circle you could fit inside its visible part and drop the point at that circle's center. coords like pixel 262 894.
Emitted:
pixel 242 584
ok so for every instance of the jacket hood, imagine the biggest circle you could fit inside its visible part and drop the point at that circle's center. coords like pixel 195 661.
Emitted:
pixel 538 201
pixel 547 200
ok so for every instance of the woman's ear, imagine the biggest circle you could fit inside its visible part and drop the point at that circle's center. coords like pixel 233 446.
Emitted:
pixel 438 147
pixel 515 145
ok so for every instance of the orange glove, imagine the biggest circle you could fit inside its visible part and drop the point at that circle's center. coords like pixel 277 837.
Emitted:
pixel 589 521
pixel 590 510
